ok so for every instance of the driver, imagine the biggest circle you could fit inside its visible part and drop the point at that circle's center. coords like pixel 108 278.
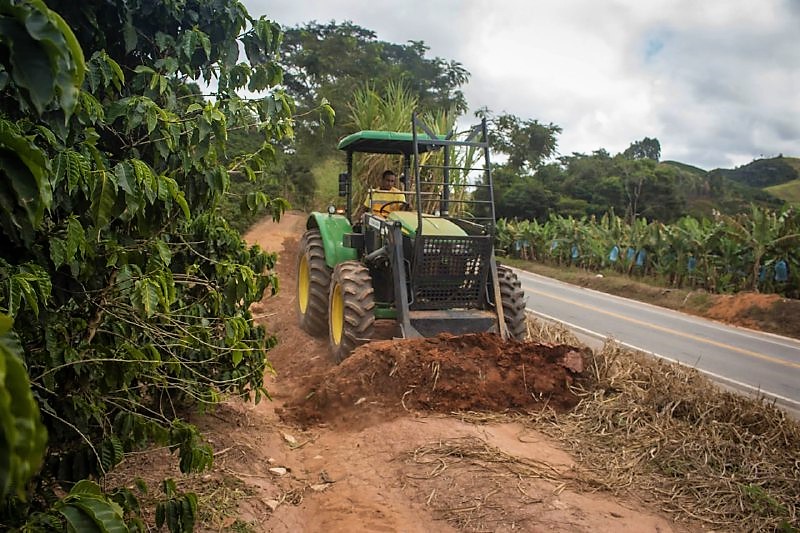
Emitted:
pixel 387 193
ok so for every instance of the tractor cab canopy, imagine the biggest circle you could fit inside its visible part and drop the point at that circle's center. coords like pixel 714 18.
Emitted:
pixel 455 183
pixel 388 142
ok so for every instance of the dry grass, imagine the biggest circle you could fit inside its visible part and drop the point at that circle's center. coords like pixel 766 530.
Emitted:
pixel 477 487
pixel 440 455
pixel 550 332
pixel 668 434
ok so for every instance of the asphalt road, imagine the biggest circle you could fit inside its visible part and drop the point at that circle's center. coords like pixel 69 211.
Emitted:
pixel 744 359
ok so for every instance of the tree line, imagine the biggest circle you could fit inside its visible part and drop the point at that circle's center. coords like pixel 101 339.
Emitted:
pixel 334 62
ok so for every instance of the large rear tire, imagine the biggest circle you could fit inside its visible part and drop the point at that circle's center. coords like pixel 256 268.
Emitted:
pixel 513 298
pixel 313 282
pixel 351 308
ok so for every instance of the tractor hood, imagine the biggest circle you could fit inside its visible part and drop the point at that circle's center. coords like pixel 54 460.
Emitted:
pixel 431 225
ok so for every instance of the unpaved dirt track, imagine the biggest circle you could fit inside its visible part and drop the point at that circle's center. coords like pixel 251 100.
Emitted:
pixel 372 461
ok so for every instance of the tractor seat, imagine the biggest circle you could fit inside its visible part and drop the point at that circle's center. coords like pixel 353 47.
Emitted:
pixel 431 225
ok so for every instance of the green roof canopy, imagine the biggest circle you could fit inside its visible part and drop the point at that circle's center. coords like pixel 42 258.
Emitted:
pixel 385 142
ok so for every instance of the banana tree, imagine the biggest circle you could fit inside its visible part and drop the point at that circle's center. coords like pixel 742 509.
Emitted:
pixel 762 231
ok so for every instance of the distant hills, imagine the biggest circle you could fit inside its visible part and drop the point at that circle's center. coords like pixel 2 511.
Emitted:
pixel 763 173
pixel 766 182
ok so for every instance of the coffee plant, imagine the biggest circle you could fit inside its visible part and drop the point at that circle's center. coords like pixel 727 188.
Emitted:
pixel 124 294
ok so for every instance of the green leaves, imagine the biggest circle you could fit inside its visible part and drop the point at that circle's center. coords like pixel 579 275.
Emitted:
pixel 71 166
pixel 87 509
pixel 137 111
pixel 22 436
pixel 29 283
pixel 146 296
pixel 149 301
pixel 722 255
pixel 104 195
pixel 103 72
pixel 178 512
pixel 25 193
pixel 45 58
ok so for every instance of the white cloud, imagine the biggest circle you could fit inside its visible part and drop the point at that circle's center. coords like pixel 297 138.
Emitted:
pixel 717 82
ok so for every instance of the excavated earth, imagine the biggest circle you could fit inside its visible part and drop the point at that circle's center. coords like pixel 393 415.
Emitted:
pixel 404 435
pixel 475 372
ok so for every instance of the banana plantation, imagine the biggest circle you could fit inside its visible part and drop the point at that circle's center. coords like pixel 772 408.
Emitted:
pixel 754 251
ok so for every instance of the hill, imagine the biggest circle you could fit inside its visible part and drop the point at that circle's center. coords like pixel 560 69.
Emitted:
pixel 763 173
pixel 788 192
pixel 732 191
pixel 689 169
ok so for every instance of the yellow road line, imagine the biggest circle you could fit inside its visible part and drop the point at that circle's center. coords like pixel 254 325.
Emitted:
pixel 749 353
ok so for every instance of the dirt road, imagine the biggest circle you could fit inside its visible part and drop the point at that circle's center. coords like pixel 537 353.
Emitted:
pixel 343 448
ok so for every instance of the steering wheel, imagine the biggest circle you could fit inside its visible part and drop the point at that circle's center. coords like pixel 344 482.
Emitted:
pixel 403 205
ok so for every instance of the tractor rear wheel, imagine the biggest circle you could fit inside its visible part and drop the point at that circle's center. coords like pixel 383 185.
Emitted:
pixel 313 282
pixel 513 298
pixel 351 308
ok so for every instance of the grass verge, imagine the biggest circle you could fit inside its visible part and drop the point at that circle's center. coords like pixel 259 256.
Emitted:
pixel 668 435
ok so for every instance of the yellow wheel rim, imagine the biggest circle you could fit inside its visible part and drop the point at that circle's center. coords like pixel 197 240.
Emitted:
pixel 302 285
pixel 337 315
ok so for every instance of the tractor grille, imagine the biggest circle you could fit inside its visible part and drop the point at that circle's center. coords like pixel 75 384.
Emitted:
pixel 450 272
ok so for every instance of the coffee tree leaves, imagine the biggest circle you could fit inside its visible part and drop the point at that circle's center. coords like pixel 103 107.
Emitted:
pixel 87 508
pixel 45 58
pixel 104 196
pixel 71 166
pixel 125 196
pixel 28 283
pixel 71 246
pixel 178 511
pixel 103 72
pixel 146 296
pixel 22 435
pixel 27 192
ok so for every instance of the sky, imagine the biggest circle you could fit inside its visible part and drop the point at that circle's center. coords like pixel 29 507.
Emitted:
pixel 717 82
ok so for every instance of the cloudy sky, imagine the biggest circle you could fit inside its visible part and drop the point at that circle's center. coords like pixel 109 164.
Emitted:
pixel 716 81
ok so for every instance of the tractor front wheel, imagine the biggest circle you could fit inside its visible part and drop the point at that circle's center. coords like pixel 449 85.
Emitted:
pixel 313 281
pixel 351 309
pixel 513 298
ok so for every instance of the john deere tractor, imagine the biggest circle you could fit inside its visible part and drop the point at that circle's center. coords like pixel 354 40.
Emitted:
pixel 428 266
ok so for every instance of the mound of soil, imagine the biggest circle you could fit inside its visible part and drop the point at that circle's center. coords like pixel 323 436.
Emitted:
pixel 475 372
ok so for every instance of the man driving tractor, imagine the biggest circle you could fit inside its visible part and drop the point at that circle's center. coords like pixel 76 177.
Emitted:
pixel 388 198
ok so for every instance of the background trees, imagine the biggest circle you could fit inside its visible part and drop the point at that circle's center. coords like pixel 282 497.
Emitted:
pixel 332 61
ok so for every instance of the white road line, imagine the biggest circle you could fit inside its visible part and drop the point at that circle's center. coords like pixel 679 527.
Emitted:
pixel 757 390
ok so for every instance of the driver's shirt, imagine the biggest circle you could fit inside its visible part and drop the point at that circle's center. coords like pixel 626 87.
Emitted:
pixel 381 198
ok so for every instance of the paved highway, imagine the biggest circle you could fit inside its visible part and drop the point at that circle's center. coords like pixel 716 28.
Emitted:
pixel 742 358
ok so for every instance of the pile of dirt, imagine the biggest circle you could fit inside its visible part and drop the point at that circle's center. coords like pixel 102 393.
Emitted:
pixel 475 372
pixel 764 312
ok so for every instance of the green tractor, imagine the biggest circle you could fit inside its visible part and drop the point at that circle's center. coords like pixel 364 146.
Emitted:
pixel 429 267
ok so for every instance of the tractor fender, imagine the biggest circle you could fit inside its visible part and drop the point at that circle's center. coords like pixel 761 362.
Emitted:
pixel 332 229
